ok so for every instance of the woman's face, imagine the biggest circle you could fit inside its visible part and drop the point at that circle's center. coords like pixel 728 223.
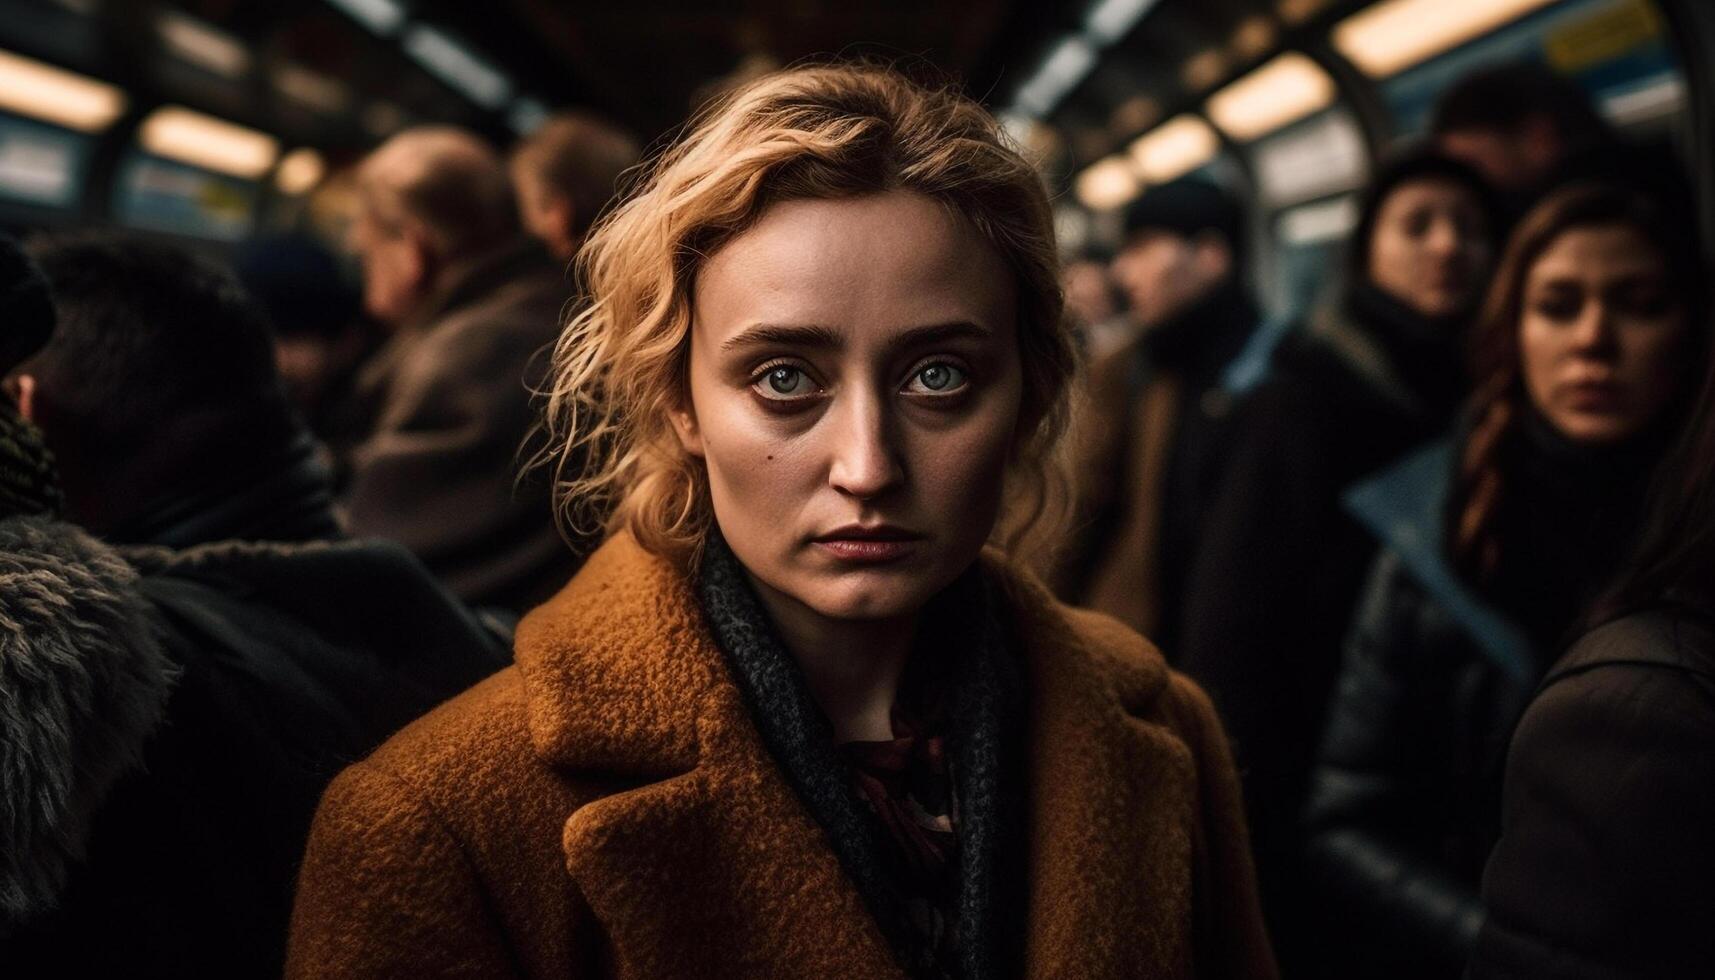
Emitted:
pixel 854 391
pixel 1430 247
pixel 1601 334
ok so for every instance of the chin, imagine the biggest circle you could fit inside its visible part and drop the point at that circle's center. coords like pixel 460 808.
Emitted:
pixel 873 594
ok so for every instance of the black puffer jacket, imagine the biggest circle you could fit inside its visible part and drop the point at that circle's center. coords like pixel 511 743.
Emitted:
pixel 169 720
pixel 1405 799
pixel 1606 864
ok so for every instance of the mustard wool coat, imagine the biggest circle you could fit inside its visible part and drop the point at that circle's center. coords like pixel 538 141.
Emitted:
pixel 606 808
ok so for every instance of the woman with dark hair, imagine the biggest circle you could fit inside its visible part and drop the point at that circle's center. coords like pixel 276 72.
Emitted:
pixel 1280 565
pixel 1606 862
pixel 1492 546
pixel 792 719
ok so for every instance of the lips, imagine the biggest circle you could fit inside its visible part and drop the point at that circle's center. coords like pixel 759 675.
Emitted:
pixel 866 544
pixel 1595 395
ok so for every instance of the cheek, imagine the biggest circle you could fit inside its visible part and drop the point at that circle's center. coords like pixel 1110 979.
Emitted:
pixel 1539 353
pixel 1653 355
pixel 960 473
pixel 757 475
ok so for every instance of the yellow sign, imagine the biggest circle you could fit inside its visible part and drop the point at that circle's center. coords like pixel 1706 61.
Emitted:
pixel 1612 31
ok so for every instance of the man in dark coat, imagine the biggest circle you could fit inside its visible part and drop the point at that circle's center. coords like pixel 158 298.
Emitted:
pixel 1153 435
pixel 473 307
pixel 169 716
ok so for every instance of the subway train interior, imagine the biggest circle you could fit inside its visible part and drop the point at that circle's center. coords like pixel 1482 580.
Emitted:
pixel 857 488
pixel 214 121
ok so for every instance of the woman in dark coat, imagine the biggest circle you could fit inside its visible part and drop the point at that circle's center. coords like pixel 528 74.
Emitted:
pixel 791 720
pixel 1606 862
pixel 1493 544
pixel 1280 565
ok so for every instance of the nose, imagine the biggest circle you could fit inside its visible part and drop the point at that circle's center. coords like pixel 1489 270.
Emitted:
pixel 1595 334
pixel 1444 240
pixel 865 460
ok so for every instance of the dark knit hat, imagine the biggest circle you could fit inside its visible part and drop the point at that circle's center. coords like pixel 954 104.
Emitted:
pixel 28 481
pixel 1419 163
pixel 1188 206
pixel 26 307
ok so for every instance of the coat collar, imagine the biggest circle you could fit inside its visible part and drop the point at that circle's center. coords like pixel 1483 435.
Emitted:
pixel 1403 507
pixel 625 685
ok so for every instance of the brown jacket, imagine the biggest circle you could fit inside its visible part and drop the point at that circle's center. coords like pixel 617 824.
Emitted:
pixel 1120 446
pixel 606 807
pixel 450 411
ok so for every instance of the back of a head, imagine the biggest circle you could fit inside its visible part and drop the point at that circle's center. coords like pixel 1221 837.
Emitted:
pixel 446 181
pixel 1505 97
pixel 579 158
pixel 1189 207
pixel 161 368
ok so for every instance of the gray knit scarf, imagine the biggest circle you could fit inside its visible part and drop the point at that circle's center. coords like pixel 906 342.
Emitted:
pixel 985 739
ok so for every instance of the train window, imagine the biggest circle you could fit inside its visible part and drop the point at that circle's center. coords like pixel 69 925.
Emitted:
pixel 40 164
pixel 1617 49
pixel 162 195
pixel 1320 156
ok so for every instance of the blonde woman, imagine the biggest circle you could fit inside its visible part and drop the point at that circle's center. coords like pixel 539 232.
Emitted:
pixel 792 719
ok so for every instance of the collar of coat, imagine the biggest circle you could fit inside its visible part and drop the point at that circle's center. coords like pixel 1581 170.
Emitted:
pixel 624 684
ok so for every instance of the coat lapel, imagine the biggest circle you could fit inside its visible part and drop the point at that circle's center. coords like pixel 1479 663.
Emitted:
pixel 1112 806
pixel 627 688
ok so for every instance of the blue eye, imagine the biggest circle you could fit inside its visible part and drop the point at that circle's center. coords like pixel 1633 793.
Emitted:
pixel 784 381
pixel 938 378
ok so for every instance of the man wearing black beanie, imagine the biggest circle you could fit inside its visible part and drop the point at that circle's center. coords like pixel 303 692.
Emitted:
pixel 1151 441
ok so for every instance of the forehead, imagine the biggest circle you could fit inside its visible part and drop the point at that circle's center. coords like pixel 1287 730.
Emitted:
pixel 875 263
pixel 1428 192
pixel 1597 254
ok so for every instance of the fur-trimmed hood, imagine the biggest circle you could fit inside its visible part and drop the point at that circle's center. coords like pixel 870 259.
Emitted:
pixel 84 680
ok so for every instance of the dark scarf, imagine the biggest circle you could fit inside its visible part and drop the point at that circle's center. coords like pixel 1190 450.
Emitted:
pixel 984 734
pixel 1202 340
pixel 1426 353
pixel 1571 515
pixel 284 496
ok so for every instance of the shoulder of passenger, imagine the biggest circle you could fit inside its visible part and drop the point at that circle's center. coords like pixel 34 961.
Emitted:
pixel 471 754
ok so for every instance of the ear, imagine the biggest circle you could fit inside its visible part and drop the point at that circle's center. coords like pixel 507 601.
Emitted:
pixel 1213 254
pixel 421 261
pixel 562 212
pixel 26 390
pixel 685 427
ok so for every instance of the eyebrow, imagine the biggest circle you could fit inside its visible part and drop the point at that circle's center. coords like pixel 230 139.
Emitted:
pixel 826 338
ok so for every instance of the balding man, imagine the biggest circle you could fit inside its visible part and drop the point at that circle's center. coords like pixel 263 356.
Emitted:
pixel 565 173
pixel 470 303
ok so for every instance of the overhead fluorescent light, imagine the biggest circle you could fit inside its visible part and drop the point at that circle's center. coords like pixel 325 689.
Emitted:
pixel 1107 184
pixel 300 171
pixel 1299 11
pixel 1111 20
pixel 527 115
pixel 1060 73
pixel 1394 35
pixel 203 141
pixel 458 66
pixel 1254 37
pixel 1281 92
pixel 311 88
pixel 1175 148
pixel 1134 115
pixel 382 119
pixel 203 45
pixel 384 17
pixel 31 88
pixel 1204 70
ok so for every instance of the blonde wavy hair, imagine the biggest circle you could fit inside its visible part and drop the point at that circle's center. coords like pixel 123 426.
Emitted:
pixel 620 367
